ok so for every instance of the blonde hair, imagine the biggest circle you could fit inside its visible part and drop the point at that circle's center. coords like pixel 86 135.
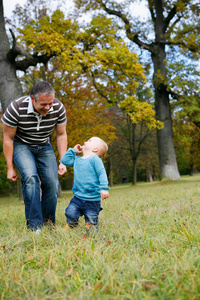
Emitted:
pixel 103 148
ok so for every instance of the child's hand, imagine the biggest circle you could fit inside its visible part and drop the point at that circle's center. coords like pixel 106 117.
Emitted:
pixel 104 195
pixel 78 148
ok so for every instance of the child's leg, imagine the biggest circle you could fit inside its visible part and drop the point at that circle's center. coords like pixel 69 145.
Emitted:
pixel 91 214
pixel 73 212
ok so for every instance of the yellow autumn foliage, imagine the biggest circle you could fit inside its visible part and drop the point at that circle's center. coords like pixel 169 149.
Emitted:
pixel 140 112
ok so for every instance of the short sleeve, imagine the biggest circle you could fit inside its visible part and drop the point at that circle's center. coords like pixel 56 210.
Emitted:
pixel 11 115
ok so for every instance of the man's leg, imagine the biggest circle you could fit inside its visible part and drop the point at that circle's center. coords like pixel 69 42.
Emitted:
pixel 25 162
pixel 48 173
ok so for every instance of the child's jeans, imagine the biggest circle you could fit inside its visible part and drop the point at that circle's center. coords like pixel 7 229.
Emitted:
pixel 89 209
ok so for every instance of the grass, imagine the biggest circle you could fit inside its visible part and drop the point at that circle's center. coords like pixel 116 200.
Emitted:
pixel 148 247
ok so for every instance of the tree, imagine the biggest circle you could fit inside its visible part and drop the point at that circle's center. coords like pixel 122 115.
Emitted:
pixel 147 165
pixel 187 141
pixel 174 23
pixel 135 123
pixel 10 87
pixel 186 91
pixel 140 121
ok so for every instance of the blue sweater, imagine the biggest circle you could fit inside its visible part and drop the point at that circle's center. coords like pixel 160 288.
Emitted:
pixel 89 175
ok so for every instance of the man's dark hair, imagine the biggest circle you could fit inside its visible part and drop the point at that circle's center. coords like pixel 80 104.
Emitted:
pixel 41 87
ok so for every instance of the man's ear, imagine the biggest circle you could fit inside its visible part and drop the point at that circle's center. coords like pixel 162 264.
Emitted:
pixel 95 149
pixel 32 99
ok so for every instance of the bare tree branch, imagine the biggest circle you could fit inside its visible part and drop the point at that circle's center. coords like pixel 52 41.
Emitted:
pixel 131 35
pixel 32 61
pixel 170 16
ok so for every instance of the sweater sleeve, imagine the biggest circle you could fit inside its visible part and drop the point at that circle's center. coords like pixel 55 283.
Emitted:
pixel 69 157
pixel 101 173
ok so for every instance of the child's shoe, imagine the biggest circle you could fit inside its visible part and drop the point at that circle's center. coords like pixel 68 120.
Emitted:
pixel 91 230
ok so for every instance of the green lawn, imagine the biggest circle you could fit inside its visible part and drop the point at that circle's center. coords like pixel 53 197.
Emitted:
pixel 148 247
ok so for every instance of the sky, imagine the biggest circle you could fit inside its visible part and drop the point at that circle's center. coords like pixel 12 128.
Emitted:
pixel 9 6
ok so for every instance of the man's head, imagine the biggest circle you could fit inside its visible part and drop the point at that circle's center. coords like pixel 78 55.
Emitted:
pixel 42 95
pixel 96 146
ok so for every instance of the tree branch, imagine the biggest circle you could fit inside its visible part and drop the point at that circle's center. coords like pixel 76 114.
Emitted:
pixel 174 23
pixel 98 90
pixel 132 36
pixel 151 12
pixel 23 65
pixel 30 60
pixel 170 16
pixel 15 51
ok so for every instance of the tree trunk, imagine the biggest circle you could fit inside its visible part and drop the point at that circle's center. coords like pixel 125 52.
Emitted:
pixel 149 177
pixel 111 173
pixel 10 87
pixel 166 151
pixel 134 180
pixel 109 170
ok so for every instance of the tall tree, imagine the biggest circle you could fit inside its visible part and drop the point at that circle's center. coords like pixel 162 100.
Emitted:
pixel 173 23
pixel 187 141
pixel 10 87
pixel 9 84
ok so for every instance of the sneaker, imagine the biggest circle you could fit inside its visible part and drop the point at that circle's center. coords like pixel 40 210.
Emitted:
pixel 38 231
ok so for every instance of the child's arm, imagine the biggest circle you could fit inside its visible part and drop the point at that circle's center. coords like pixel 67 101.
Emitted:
pixel 69 157
pixel 103 179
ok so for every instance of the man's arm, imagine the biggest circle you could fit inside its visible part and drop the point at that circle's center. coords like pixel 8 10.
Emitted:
pixel 61 145
pixel 8 137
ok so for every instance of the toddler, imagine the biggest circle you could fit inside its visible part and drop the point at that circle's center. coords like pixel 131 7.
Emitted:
pixel 90 182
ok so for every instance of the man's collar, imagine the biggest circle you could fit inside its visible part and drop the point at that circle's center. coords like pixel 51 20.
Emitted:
pixel 31 108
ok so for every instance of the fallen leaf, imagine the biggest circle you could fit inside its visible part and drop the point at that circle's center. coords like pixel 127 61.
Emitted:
pixel 69 272
pixel 97 286
pixel 149 285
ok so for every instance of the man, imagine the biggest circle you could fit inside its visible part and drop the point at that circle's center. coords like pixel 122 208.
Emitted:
pixel 28 123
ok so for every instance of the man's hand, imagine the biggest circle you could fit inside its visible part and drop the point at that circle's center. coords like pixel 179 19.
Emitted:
pixel 11 175
pixel 62 169
pixel 78 148
pixel 104 195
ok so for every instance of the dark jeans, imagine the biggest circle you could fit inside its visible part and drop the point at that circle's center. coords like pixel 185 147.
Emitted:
pixel 89 209
pixel 39 176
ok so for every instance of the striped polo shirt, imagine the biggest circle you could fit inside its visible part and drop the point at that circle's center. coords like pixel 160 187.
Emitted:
pixel 33 128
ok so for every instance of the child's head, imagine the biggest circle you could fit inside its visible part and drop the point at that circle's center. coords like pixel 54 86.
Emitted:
pixel 95 145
